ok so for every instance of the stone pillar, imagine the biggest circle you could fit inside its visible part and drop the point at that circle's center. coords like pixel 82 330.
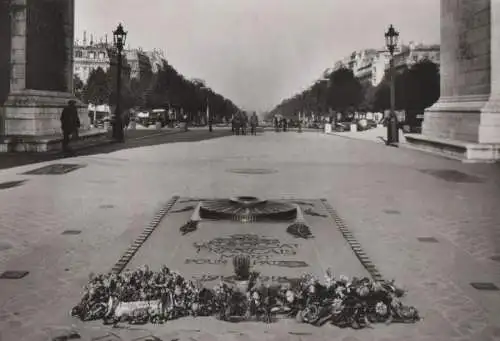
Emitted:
pixel 468 113
pixel 41 63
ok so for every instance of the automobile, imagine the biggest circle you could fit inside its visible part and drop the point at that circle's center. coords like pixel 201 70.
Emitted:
pixel 364 124
pixel 315 125
pixel 371 124
pixel 143 118
pixel 343 126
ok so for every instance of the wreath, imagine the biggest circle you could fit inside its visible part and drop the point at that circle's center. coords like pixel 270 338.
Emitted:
pixel 143 296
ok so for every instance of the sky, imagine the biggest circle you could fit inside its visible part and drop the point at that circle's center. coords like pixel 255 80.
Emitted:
pixel 258 52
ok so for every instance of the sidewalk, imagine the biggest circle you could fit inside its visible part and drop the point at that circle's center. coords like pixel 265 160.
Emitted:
pixel 378 135
pixel 388 197
pixel 13 159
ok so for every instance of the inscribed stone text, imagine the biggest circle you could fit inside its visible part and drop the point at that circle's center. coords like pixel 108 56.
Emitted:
pixel 248 244
pixel 212 278
pixel 262 262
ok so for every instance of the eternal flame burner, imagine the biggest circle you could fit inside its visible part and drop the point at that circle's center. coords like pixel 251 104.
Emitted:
pixel 247 209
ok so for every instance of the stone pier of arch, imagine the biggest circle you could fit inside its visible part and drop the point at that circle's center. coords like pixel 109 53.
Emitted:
pixel 36 73
pixel 465 122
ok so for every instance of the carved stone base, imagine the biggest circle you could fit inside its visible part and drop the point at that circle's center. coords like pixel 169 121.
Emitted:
pixel 37 113
pixel 454 149
pixel 462 127
pixel 40 144
pixel 456 118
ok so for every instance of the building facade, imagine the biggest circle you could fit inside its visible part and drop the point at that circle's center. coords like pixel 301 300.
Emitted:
pixel 370 65
pixel 414 53
pixel 89 55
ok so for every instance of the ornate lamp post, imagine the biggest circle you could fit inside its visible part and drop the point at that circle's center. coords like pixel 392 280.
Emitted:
pixel 119 38
pixel 391 41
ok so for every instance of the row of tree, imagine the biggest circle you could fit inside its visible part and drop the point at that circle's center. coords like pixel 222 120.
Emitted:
pixel 417 88
pixel 166 88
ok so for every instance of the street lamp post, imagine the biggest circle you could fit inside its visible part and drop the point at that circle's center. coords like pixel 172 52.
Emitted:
pixel 119 38
pixel 391 40
pixel 209 116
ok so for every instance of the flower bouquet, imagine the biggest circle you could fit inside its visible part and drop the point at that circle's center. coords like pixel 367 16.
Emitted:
pixel 143 296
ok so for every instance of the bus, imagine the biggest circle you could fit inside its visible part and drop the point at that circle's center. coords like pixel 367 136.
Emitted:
pixel 151 117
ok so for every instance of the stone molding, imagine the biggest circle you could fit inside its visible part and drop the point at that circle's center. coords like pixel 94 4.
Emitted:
pixel 40 98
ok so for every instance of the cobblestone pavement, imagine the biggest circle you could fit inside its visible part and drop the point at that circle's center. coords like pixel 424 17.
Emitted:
pixel 389 197
pixel 133 139
pixel 378 135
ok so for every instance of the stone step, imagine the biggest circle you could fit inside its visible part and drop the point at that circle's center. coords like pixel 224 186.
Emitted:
pixel 52 143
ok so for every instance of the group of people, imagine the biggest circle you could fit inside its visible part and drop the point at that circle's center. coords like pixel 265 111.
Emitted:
pixel 280 124
pixel 241 121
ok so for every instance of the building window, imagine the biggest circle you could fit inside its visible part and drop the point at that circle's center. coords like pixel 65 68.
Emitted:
pixel 78 54
pixel 92 55
pixel 101 55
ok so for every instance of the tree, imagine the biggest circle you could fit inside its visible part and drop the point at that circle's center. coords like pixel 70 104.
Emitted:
pixel 417 88
pixel 344 91
pixel 169 89
pixel 425 81
pixel 382 99
pixel 126 95
pixel 423 88
pixel 140 86
pixel 97 89
pixel 368 102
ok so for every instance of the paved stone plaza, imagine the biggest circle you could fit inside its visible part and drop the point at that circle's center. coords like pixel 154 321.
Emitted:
pixel 388 197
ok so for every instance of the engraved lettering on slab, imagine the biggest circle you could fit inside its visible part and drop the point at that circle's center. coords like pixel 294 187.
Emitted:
pixel 261 262
pixel 248 244
pixel 212 278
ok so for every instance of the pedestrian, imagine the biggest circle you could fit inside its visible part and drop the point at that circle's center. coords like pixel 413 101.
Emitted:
pixel 70 123
pixel 244 123
pixel 185 119
pixel 254 122
pixel 276 124
pixel 126 119
pixel 237 123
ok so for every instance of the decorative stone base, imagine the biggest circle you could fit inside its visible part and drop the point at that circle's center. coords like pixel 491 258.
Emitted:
pixel 37 113
pixel 454 149
pixel 40 144
pixel 455 118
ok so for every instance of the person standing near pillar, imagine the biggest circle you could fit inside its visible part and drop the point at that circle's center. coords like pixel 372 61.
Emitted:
pixel 70 123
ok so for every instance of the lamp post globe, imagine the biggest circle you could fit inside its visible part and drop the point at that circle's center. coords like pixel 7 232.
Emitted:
pixel 119 40
pixel 391 41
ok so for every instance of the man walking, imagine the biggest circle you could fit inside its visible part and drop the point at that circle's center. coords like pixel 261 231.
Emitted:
pixel 244 123
pixel 185 119
pixel 237 123
pixel 254 122
pixel 70 123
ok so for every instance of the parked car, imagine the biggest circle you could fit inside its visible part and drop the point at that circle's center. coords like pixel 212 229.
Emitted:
pixel 372 124
pixel 343 126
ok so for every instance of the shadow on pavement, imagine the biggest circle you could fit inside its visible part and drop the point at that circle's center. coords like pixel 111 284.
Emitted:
pixel 134 139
